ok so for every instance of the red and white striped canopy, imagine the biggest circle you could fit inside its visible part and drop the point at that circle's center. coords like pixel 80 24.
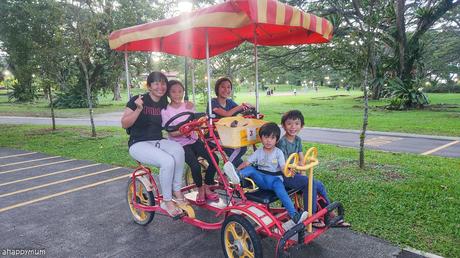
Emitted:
pixel 262 22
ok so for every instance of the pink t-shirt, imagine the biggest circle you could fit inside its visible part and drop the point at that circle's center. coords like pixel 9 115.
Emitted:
pixel 168 113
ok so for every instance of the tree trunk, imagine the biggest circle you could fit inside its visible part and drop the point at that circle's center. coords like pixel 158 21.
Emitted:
pixel 116 90
pixel 362 136
pixel 50 97
pixel 88 94
pixel 401 37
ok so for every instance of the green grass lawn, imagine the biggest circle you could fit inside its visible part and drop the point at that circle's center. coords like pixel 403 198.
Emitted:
pixel 409 200
pixel 325 108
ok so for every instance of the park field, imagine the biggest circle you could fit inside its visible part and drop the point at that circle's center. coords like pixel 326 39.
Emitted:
pixel 409 200
pixel 325 108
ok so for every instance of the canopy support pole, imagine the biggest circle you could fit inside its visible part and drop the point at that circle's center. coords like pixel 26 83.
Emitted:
pixel 127 75
pixel 192 68
pixel 185 79
pixel 209 78
pixel 257 72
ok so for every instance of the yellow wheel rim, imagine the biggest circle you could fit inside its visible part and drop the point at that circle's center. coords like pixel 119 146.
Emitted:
pixel 141 198
pixel 238 242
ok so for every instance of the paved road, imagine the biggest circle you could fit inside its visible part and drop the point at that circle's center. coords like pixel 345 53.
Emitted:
pixel 75 208
pixel 394 142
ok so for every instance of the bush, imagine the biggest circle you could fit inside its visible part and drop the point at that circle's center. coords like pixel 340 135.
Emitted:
pixel 74 97
pixel 23 92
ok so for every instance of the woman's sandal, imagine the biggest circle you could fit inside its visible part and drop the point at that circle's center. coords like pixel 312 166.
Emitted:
pixel 175 212
pixel 200 201
pixel 341 224
pixel 181 202
pixel 318 224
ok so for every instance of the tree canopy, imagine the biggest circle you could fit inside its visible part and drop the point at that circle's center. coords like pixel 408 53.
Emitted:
pixel 416 44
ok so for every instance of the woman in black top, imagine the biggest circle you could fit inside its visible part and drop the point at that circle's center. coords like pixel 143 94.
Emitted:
pixel 143 118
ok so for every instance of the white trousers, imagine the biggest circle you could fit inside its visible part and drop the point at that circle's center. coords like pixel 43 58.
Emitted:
pixel 166 155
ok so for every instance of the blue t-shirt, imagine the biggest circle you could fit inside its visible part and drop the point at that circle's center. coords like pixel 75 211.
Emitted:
pixel 229 104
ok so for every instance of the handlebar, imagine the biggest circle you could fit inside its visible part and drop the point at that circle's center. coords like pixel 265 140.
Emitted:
pixel 310 160
pixel 187 128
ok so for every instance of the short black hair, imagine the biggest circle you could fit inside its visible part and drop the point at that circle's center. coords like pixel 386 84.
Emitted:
pixel 293 115
pixel 219 82
pixel 156 77
pixel 270 129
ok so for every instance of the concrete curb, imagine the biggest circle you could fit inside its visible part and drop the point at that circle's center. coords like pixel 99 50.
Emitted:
pixel 434 137
pixel 421 253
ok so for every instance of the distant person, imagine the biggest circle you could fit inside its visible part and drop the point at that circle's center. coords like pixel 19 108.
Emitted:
pixel 316 88
pixel 336 87
pixel 271 92
pixel 295 92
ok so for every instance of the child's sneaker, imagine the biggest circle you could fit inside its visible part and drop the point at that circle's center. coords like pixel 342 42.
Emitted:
pixel 288 225
pixel 230 171
pixel 300 217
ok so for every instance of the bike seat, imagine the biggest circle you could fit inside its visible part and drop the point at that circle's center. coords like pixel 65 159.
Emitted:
pixel 267 196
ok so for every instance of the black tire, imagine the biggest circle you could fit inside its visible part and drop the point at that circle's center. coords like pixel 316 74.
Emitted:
pixel 142 196
pixel 239 238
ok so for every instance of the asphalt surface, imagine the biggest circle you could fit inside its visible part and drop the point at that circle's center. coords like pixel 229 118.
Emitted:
pixel 76 208
pixel 386 141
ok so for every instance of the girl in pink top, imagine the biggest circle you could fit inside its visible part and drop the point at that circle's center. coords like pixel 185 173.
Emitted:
pixel 193 147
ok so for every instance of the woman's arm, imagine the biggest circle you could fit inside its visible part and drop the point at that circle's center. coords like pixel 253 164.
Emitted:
pixel 129 117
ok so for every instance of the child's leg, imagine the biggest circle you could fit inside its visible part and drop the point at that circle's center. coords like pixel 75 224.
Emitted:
pixel 278 187
pixel 255 175
pixel 321 190
pixel 301 181
pixel 192 162
pixel 200 151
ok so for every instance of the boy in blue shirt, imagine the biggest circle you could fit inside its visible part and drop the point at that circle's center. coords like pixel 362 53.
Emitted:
pixel 270 162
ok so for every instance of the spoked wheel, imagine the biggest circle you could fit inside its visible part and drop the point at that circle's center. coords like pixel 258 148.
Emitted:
pixel 144 197
pixel 239 238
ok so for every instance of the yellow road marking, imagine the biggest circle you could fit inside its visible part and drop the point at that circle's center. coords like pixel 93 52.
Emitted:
pixel 50 174
pixel 440 147
pixel 17 155
pixel 61 193
pixel 58 182
pixel 36 166
pixel 27 161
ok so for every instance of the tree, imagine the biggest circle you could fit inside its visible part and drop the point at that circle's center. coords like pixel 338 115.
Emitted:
pixel 17 17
